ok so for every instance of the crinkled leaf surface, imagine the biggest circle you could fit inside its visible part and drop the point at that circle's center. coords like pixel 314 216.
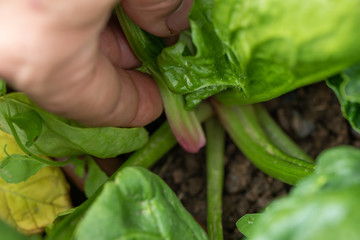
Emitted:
pixel 260 49
pixel 138 205
pixel 33 204
pixel 347 88
pixel 325 206
pixel 63 138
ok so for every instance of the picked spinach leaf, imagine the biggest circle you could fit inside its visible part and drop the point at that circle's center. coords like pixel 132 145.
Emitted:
pixel 258 50
pixel 184 124
pixel 137 205
pixel 347 88
pixel 62 138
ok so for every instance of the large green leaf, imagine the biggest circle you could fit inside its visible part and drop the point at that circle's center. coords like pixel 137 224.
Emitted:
pixel 325 206
pixel 262 49
pixel 138 205
pixel 347 88
pixel 59 137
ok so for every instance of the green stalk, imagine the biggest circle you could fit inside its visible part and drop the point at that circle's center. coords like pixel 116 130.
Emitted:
pixel 161 141
pixel 243 126
pixel 277 136
pixel 215 177
pixel 184 124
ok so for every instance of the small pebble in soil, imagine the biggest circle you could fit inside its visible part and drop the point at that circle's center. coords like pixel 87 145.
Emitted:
pixel 302 126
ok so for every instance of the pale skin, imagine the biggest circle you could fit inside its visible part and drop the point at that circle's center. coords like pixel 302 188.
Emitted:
pixel 62 54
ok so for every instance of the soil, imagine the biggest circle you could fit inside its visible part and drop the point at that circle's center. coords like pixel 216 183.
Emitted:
pixel 311 116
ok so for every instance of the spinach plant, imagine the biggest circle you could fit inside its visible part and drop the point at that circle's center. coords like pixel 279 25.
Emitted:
pixel 237 53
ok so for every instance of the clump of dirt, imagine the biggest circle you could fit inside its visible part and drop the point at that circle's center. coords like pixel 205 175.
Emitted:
pixel 312 118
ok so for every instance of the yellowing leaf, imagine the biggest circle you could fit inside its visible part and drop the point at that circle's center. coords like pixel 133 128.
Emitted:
pixel 33 204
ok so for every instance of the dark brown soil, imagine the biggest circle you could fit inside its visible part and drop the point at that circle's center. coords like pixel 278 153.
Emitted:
pixel 311 116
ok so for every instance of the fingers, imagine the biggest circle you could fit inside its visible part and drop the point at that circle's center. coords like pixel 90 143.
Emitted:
pixel 159 17
pixel 116 48
pixel 59 65
pixel 105 97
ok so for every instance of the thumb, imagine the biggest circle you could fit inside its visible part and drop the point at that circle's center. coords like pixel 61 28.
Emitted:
pixel 160 17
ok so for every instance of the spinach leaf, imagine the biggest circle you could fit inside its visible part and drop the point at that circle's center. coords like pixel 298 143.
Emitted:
pixel 347 88
pixel 246 223
pixel 137 205
pixel 31 123
pixel 61 138
pixel 322 206
pixel 17 168
pixel 259 50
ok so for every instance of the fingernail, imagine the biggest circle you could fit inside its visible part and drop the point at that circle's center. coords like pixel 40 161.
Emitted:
pixel 178 20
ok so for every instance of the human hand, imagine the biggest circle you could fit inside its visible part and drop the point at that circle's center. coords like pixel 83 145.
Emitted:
pixel 61 55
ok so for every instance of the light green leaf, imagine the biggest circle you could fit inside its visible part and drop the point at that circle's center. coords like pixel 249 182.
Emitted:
pixel 138 205
pixel 260 49
pixel 95 177
pixel 63 138
pixel 246 223
pixel 17 168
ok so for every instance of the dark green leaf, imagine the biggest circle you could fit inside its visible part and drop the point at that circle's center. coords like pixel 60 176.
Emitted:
pixel 17 168
pixel 138 205
pixel 31 123
pixel 95 177
pixel 2 87
pixel 63 138
pixel 347 88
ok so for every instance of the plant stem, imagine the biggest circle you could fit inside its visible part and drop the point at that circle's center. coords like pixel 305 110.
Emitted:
pixel 161 141
pixel 277 136
pixel 243 126
pixel 184 124
pixel 215 177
